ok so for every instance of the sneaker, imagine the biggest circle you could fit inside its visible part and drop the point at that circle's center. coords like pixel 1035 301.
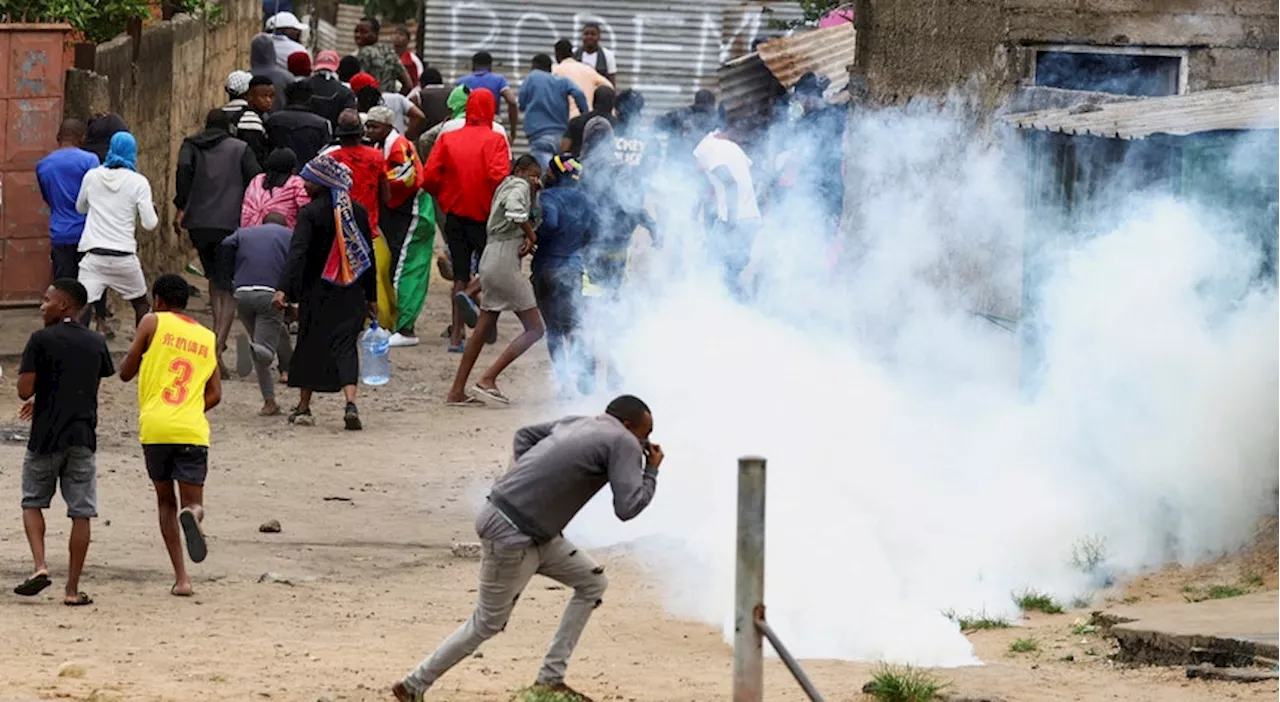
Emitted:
pixel 302 418
pixel 352 418
pixel 398 340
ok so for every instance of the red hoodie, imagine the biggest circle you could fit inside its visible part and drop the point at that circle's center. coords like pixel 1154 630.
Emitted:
pixel 467 164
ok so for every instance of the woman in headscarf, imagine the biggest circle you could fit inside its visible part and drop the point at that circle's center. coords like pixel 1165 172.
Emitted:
pixel 279 189
pixel 101 128
pixel 330 274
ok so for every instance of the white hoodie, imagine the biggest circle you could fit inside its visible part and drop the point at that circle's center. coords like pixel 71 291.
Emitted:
pixel 112 198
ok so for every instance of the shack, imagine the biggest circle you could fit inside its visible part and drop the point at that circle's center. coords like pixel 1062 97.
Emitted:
pixel 1217 148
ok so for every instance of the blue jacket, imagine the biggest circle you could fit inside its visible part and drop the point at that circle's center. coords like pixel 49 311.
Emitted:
pixel 59 175
pixel 567 217
pixel 544 99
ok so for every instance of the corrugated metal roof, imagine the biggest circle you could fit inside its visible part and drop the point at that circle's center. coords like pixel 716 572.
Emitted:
pixel 1245 107
pixel 827 52
pixel 749 84
pixel 747 88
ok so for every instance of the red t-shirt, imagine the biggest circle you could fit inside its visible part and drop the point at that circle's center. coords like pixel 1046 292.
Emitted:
pixel 368 169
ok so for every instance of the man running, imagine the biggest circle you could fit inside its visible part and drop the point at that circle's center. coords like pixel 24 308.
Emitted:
pixel 61 367
pixel 174 359
pixel 59 175
pixel 558 467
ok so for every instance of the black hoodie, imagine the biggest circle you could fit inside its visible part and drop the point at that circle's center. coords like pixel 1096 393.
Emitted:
pixel 214 168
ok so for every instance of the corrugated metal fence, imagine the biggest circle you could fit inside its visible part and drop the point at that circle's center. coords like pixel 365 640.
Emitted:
pixel 666 50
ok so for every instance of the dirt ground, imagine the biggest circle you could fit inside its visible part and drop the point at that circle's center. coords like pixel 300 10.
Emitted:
pixel 368 521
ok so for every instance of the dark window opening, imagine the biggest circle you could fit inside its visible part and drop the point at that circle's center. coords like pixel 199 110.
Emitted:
pixel 1120 74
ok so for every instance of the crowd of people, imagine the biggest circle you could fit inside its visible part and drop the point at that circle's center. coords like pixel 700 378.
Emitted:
pixel 313 197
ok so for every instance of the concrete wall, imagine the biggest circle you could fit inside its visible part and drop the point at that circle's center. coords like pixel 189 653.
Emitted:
pixel 910 47
pixel 163 92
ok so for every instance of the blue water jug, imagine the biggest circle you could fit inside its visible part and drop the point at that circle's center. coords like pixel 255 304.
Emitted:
pixel 375 355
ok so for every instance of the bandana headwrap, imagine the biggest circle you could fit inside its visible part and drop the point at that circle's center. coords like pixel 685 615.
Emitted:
pixel 123 152
pixel 351 255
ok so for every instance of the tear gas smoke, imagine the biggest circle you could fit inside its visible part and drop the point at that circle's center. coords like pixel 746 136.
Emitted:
pixel 908 475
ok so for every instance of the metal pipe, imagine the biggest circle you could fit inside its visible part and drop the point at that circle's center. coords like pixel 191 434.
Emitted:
pixel 792 664
pixel 748 646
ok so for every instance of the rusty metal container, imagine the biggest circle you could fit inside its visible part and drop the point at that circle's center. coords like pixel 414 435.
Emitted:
pixel 32 70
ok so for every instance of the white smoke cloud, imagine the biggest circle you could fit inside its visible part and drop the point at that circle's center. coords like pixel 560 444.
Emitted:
pixel 908 474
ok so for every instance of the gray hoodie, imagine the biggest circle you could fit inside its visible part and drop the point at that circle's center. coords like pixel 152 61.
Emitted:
pixel 262 62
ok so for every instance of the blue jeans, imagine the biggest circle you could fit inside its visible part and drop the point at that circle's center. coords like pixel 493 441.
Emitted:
pixel 544 147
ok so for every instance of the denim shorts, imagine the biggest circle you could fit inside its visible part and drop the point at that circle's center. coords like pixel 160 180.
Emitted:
pixel 77 471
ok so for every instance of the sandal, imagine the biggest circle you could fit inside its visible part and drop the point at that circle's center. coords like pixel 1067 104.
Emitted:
pixel 469 402
pixel 174 591
pixel 81 600
pixel 33 585
pixel 196 546
pixel 467 308
pixel 492 394
pixel 301 417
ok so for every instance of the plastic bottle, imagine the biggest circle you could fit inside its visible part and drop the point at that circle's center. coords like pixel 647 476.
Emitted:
pixel 375 356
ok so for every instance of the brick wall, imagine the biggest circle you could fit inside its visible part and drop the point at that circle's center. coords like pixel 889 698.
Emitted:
pixel 163 94
pixel 910 47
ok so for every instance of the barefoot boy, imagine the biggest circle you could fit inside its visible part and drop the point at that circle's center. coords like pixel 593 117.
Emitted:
pixel 61 367
pixel 175 361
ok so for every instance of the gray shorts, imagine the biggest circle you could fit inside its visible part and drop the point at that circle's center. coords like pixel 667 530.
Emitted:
pixel 75 467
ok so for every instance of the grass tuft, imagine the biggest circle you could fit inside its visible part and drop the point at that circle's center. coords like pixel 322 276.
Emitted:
pixel 1082 627
pixel 540 693
pixel 977 622
pixel 903 684
pixel 1223 592
pixel 1024 646
pixel 1032 601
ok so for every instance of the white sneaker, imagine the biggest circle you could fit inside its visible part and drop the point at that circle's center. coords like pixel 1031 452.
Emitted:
pixel 398 340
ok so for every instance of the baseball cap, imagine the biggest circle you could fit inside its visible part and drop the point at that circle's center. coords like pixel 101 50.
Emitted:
pixel 238 83
pixel 285 20
pixel 362 80
pixel 381 114
pixel 326 61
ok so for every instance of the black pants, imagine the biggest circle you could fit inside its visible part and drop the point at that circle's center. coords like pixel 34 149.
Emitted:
pixel 66 260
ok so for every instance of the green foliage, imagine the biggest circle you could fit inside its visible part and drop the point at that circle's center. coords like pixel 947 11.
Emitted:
pixel 977 622
pixel 99 20
pixel 1024 646
pixel 392 11
pixel 813 10
pixel 1032 601
pixel 903 684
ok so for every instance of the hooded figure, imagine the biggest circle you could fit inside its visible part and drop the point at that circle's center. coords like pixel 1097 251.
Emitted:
pixel 602 104
pixel 98 135
pixel 467 164
pixel 457 104
pixel 114 196
pixel 263 62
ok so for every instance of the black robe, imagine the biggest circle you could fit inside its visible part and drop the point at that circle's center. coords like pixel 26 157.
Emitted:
pixel 330 318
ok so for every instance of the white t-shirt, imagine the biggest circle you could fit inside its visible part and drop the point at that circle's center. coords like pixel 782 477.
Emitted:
pixel 593 59
pixel 400 105
pixel 714 152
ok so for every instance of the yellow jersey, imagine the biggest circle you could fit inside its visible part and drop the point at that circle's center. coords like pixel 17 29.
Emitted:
pixel 171 380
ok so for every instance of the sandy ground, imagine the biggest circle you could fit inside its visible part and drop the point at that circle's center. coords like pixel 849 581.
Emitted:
pixel 373 585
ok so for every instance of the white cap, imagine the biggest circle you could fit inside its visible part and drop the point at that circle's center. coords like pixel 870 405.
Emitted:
pixel 285 20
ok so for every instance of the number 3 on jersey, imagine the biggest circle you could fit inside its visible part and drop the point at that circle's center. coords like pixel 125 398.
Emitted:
pixel 182 372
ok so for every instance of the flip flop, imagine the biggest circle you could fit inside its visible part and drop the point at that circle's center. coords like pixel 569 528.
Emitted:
pixel 467 308
pixel 174 591
pixel 81 600
pixel 244 356
pixel 469 402
pixel 494 394
pixel 459 348
pixel 196 546
pixel 33 585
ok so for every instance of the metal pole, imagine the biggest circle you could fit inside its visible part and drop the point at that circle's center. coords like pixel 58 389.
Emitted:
pixel 748 646
pixel 792 664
